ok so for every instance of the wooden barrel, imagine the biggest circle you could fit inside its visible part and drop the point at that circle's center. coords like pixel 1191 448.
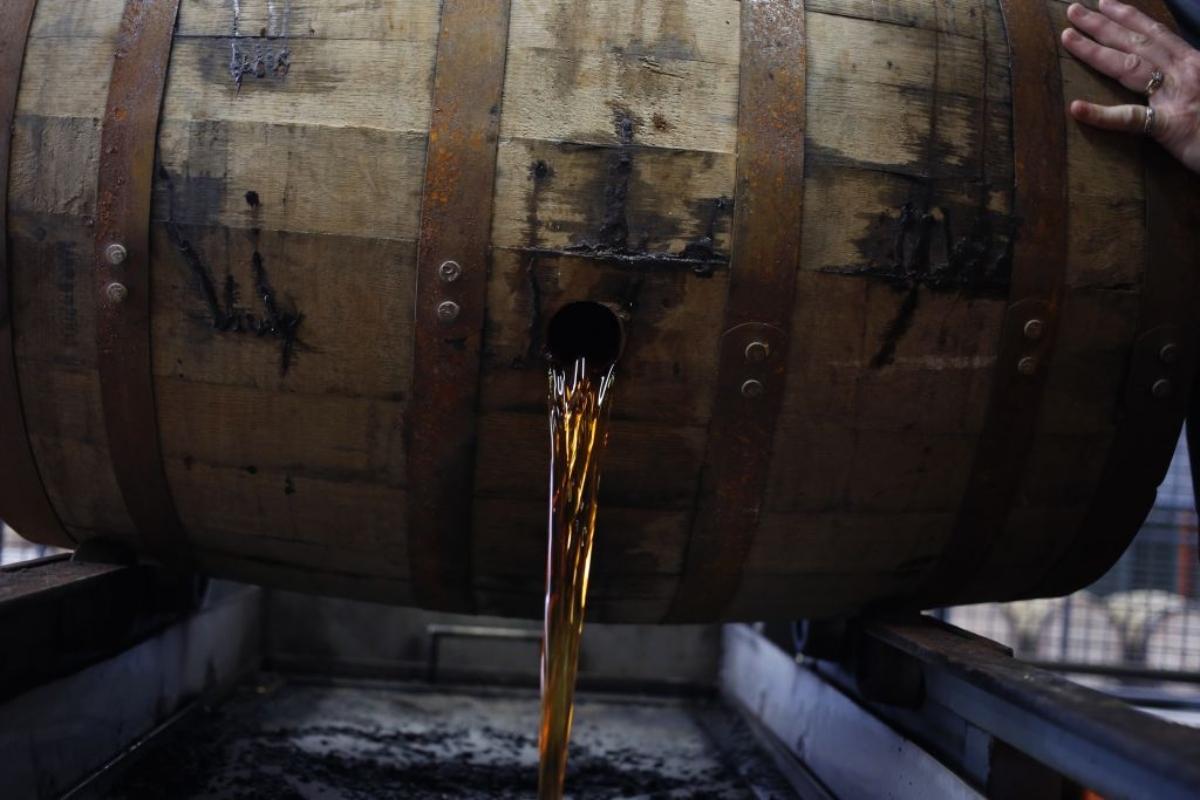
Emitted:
pixel 897 331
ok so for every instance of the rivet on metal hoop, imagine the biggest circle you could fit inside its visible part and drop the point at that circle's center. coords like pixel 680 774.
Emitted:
pixel 116 253
pixel 1169 353
pixel 450 271
pixel 116 292
pixel 1161 389
pixel 447 311
pixel 757 352
pixel 1034 329
pixel 1027 365
pixel 753 389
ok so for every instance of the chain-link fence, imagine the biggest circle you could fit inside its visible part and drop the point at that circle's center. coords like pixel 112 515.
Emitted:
pixel 1141 620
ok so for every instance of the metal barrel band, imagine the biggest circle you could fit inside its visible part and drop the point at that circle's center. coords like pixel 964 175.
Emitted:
pixel 1031 323
pixel 122 275
pixel 24 501
pixel 1161 374
pixel 752 366
pixel 452 266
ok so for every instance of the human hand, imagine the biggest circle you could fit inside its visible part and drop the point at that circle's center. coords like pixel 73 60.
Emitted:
pixel 1129 46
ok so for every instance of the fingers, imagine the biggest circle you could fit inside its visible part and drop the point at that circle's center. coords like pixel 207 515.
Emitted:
pixel 1130 69
pixel 1127 119
pixel 1117 36
pixel 1138 22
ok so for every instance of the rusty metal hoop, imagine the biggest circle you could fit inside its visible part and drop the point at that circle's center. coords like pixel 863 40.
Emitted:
pixel 768 214
pixel 122 256
pixel 456 212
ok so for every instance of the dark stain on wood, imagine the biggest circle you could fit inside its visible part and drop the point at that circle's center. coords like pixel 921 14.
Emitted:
pixel 252 199
pixel 192 198
pixel 918 245
pixel 225 313
pixel 536 343
pixel 703 249
pixel 614 232
pixel 266 55
pixel 945 236
pixel 917 248
pixel 614 240
pixel 540 173
pixel 278 323
pixel 897 328
pixel 66 268
pixel 259 61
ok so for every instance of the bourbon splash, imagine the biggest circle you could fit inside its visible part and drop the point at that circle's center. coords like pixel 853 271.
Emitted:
pixel 579 403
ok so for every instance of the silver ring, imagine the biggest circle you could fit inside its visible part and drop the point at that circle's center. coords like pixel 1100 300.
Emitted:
pixel 1156 81
pixel 1148 125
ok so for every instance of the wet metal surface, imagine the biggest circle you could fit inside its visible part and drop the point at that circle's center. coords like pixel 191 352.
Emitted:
pixel 280 739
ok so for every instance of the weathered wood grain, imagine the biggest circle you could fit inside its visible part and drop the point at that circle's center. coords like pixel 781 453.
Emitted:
pixel 215 323
pixel 368 84
pixel 949 16
pixel 286 210
pixel 552 196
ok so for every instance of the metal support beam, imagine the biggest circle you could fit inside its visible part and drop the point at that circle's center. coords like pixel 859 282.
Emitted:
pixel 849 749
pixel 80 730
pixel 64 614
pixel 941 672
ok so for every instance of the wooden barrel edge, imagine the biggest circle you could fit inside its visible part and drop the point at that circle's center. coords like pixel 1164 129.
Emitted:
pixel 128 142
pixel 451 295
pixel 752 365
pixel 1031 322
pixel 1160 376
pixel 24 500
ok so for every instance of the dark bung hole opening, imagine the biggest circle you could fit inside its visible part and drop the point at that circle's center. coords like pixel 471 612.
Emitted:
pixel 584 330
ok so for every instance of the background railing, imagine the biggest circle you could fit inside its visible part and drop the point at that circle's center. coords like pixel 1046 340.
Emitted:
pixel 1140 621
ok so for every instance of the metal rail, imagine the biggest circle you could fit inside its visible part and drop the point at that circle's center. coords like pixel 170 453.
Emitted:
pixel 62 614
pixel 438 632
pixel 917 672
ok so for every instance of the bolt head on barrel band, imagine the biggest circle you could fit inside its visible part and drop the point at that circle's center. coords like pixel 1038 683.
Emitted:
pixel 448 311
pixel 116 292
pixel 1035 329
pixel 450 271
pixel 753 389
pixel 1169 353
pixel 116 254
pixel 1161 389
pixel 757 352
pixel 1027 365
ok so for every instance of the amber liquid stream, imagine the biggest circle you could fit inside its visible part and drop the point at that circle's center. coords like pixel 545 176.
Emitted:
pixel 579 401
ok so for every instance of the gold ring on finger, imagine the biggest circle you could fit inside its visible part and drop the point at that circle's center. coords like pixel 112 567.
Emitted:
pixel 1156 82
